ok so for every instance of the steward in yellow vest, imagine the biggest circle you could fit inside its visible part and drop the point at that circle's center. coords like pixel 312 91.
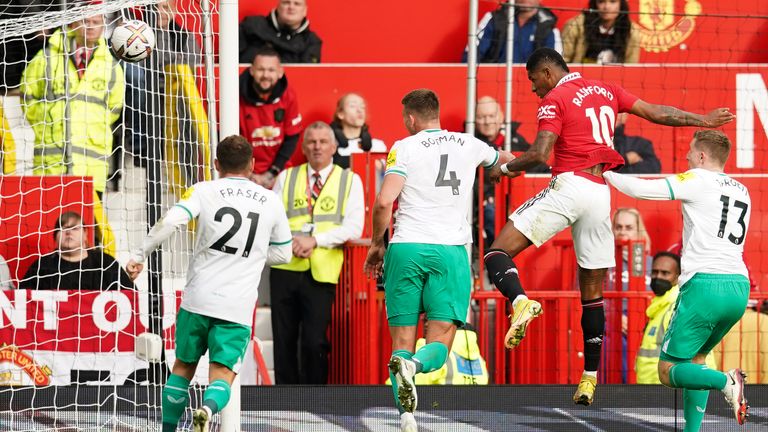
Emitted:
pixel 71 94
pixel 325 208
pixel 464 366
pixel 327 213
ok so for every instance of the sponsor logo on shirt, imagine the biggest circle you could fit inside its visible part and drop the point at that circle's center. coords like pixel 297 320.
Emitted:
pixel 546 112
pixel 391 158
pixel 266 136
pixel 296 120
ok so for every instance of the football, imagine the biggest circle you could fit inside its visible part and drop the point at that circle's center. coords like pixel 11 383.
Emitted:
pixel 132 41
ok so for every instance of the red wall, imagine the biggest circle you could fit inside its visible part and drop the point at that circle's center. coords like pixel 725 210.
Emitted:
pixel 436 30
pixel 692 88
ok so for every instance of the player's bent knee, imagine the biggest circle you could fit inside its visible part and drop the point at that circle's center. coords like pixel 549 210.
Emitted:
pixel 511 240
pixel 664 368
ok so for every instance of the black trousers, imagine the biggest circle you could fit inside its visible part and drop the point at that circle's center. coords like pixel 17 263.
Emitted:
pixel 301 315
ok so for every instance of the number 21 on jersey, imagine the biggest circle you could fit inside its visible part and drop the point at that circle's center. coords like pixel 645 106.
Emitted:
pixel 602 124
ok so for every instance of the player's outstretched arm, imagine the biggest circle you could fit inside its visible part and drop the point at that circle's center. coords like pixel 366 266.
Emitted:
pixel 671 116
pixel 537 154
pixel 648 189
pixel 163 229
pixel 382 212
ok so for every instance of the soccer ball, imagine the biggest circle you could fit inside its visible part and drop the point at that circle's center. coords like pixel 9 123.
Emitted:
pixel 132 41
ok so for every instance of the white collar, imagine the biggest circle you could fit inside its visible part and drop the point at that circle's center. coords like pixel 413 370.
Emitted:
pixel 570 77
pixel 324 173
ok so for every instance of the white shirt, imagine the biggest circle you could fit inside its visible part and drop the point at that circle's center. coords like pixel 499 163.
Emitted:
pixel 353 146
pixel 439 169
pixel 716 210
pixel 354 214
pixel 240 227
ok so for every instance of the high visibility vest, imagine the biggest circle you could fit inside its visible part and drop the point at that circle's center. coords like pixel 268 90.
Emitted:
pixel 63 108
pixel 464 366
pixel 327 214
pixel 659 314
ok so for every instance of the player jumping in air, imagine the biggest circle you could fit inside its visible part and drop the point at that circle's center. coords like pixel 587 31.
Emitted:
pixel 426 268
pixel 240 227
pixel 576 118
pixel 714 283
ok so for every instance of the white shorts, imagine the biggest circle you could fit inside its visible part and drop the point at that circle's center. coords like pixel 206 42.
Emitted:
pixel 575 201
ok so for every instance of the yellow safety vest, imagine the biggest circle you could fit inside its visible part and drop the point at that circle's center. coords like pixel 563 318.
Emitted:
pixel 63 108
pixel 659 314
pixel 464 366
pixel 327 214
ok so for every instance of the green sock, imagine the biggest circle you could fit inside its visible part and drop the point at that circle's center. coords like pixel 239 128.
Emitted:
pixel 430 357
pixel 175 401
pixel 406 355
pixel 694 376
pixel 694 406
pixel 216 395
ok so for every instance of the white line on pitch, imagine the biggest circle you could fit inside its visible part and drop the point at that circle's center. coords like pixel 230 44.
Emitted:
pixel 578 420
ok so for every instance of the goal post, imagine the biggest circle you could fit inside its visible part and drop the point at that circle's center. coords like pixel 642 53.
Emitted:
pixel 136 143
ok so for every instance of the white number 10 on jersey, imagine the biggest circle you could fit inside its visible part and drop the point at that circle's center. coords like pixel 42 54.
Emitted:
pixel 602 124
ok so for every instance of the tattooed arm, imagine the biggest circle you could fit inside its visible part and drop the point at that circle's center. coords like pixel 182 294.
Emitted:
pixel 671 116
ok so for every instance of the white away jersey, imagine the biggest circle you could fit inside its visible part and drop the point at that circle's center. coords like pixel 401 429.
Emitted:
pixel 439 169
pixel 237 220
pixel 716 212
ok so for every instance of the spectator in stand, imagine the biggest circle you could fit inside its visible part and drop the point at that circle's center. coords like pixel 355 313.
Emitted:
pixel 489 122
pixel 16 52
pixel 638 154
pixel 534 28
pixel 602 34
pixel 286 29
pixel 746 344
pixel 6 282
pixel 269 116
pixel 627 225
pixel 79 142
pixel 74 264
pixel 325 209
pixel 146 96
pixel 351 130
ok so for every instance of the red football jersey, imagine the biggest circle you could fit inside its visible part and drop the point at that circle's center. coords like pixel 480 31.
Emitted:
pixel 582 113
pixel 266 125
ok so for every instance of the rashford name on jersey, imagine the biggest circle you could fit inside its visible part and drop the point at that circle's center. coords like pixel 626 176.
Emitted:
pixel 583 92
pixel 245 193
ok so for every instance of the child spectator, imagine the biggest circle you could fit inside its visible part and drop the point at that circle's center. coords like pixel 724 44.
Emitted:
pixel 351 130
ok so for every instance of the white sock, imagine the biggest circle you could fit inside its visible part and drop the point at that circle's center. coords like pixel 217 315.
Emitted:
pixel 518 298
pixel 593 374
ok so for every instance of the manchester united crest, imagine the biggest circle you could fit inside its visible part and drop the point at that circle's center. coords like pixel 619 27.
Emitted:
pixel 662 26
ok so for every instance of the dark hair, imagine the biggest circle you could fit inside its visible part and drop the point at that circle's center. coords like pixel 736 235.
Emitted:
pixel 422 103
pixel 622 28
pixel 671 255
pixel 715 143
pixel 545 55
pixel 65 219
pixel 234 153
pixel 265 51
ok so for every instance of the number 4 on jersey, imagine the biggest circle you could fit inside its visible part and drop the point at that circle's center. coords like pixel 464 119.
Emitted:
pixel 453 181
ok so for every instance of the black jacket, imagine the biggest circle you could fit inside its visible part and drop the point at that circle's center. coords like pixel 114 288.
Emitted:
pixel 546 21
pixel 294 46
pixel 643 147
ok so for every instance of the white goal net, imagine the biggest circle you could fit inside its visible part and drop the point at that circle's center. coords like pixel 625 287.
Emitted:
pixel 94 150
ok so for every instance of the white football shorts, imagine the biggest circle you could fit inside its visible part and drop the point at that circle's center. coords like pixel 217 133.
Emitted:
pixel 575 201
